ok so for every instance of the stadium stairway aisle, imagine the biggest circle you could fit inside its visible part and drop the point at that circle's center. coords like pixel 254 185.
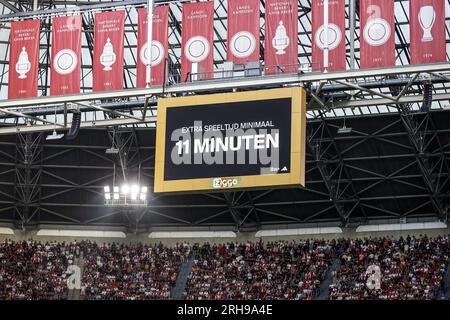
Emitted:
pixel 180 286
pixel 447 284
pixel 325 285
pixel 74 294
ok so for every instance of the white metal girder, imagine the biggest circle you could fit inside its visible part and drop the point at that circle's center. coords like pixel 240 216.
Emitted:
pixel 383 101
pixel 230 83
pixel 85 124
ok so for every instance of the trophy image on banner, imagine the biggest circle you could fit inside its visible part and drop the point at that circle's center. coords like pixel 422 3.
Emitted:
pixel 65 61
pixel 427 17
pixel 333 36
pixel 281 40
pixel 377 30
pixel 23 65
pixel 243 44
pixel 157 53
pixel 108 57
pixel 197 49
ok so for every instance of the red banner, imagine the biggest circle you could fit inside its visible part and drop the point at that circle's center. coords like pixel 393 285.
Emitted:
pixel 159 46
pixel 23 59
pixel 281 43
pixel 66 55
pixel 197 40
pixel 334 38
pixel 243 31
pixel 108 50
pixel 377 33
pixel 427 21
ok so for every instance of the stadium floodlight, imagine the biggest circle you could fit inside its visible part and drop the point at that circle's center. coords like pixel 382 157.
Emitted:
pixel 125 189
pixel 134 189
pixel 344 129
pixel 126 195
pixel 54 136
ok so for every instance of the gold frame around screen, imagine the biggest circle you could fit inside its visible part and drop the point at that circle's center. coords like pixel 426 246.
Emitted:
pixel 295 177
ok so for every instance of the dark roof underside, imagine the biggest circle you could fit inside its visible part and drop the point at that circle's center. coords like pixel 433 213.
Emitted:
pixel 372 173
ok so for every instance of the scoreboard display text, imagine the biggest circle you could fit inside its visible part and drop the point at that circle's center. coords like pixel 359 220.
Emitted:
pixel 231 141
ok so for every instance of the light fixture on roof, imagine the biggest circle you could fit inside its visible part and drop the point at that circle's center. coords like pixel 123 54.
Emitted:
pixel 427 97
pixel 344 129
pixel 134 189
pixel 112 151
pixel 126 195
pixel 54 135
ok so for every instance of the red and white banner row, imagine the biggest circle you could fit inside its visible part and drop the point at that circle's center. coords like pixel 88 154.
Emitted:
pixel 108 56
pixel 377 33
pixel 377 45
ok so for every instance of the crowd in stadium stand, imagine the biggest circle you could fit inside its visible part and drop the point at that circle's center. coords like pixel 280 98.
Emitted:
pixel 131 272
pixel 34 270
pixel 276 270
pixel 411 268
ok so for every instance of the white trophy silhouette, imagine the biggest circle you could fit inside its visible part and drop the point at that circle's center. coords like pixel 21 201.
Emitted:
pixel 281 40
pixel 108 57
pixel 427 17
pixel 23 65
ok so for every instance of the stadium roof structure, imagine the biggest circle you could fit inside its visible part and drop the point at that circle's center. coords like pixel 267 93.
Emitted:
pixel 393 164
pixel 375 172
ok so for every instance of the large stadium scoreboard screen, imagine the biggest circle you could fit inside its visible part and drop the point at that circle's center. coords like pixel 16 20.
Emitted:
pixel 231 141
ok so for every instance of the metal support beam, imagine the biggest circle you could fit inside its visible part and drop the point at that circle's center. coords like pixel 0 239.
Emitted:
pixel 233 212
pixel 84 8
pixel 10 6
pixel 28 172
pixel 85 124
pixel 388 102
pixel 128 157
pixel 434 170
pixel 229 84
pixel 335 175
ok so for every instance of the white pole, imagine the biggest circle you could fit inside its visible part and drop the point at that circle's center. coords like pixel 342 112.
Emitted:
pixel 148 73
pixel 352 8
pixel 325 23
